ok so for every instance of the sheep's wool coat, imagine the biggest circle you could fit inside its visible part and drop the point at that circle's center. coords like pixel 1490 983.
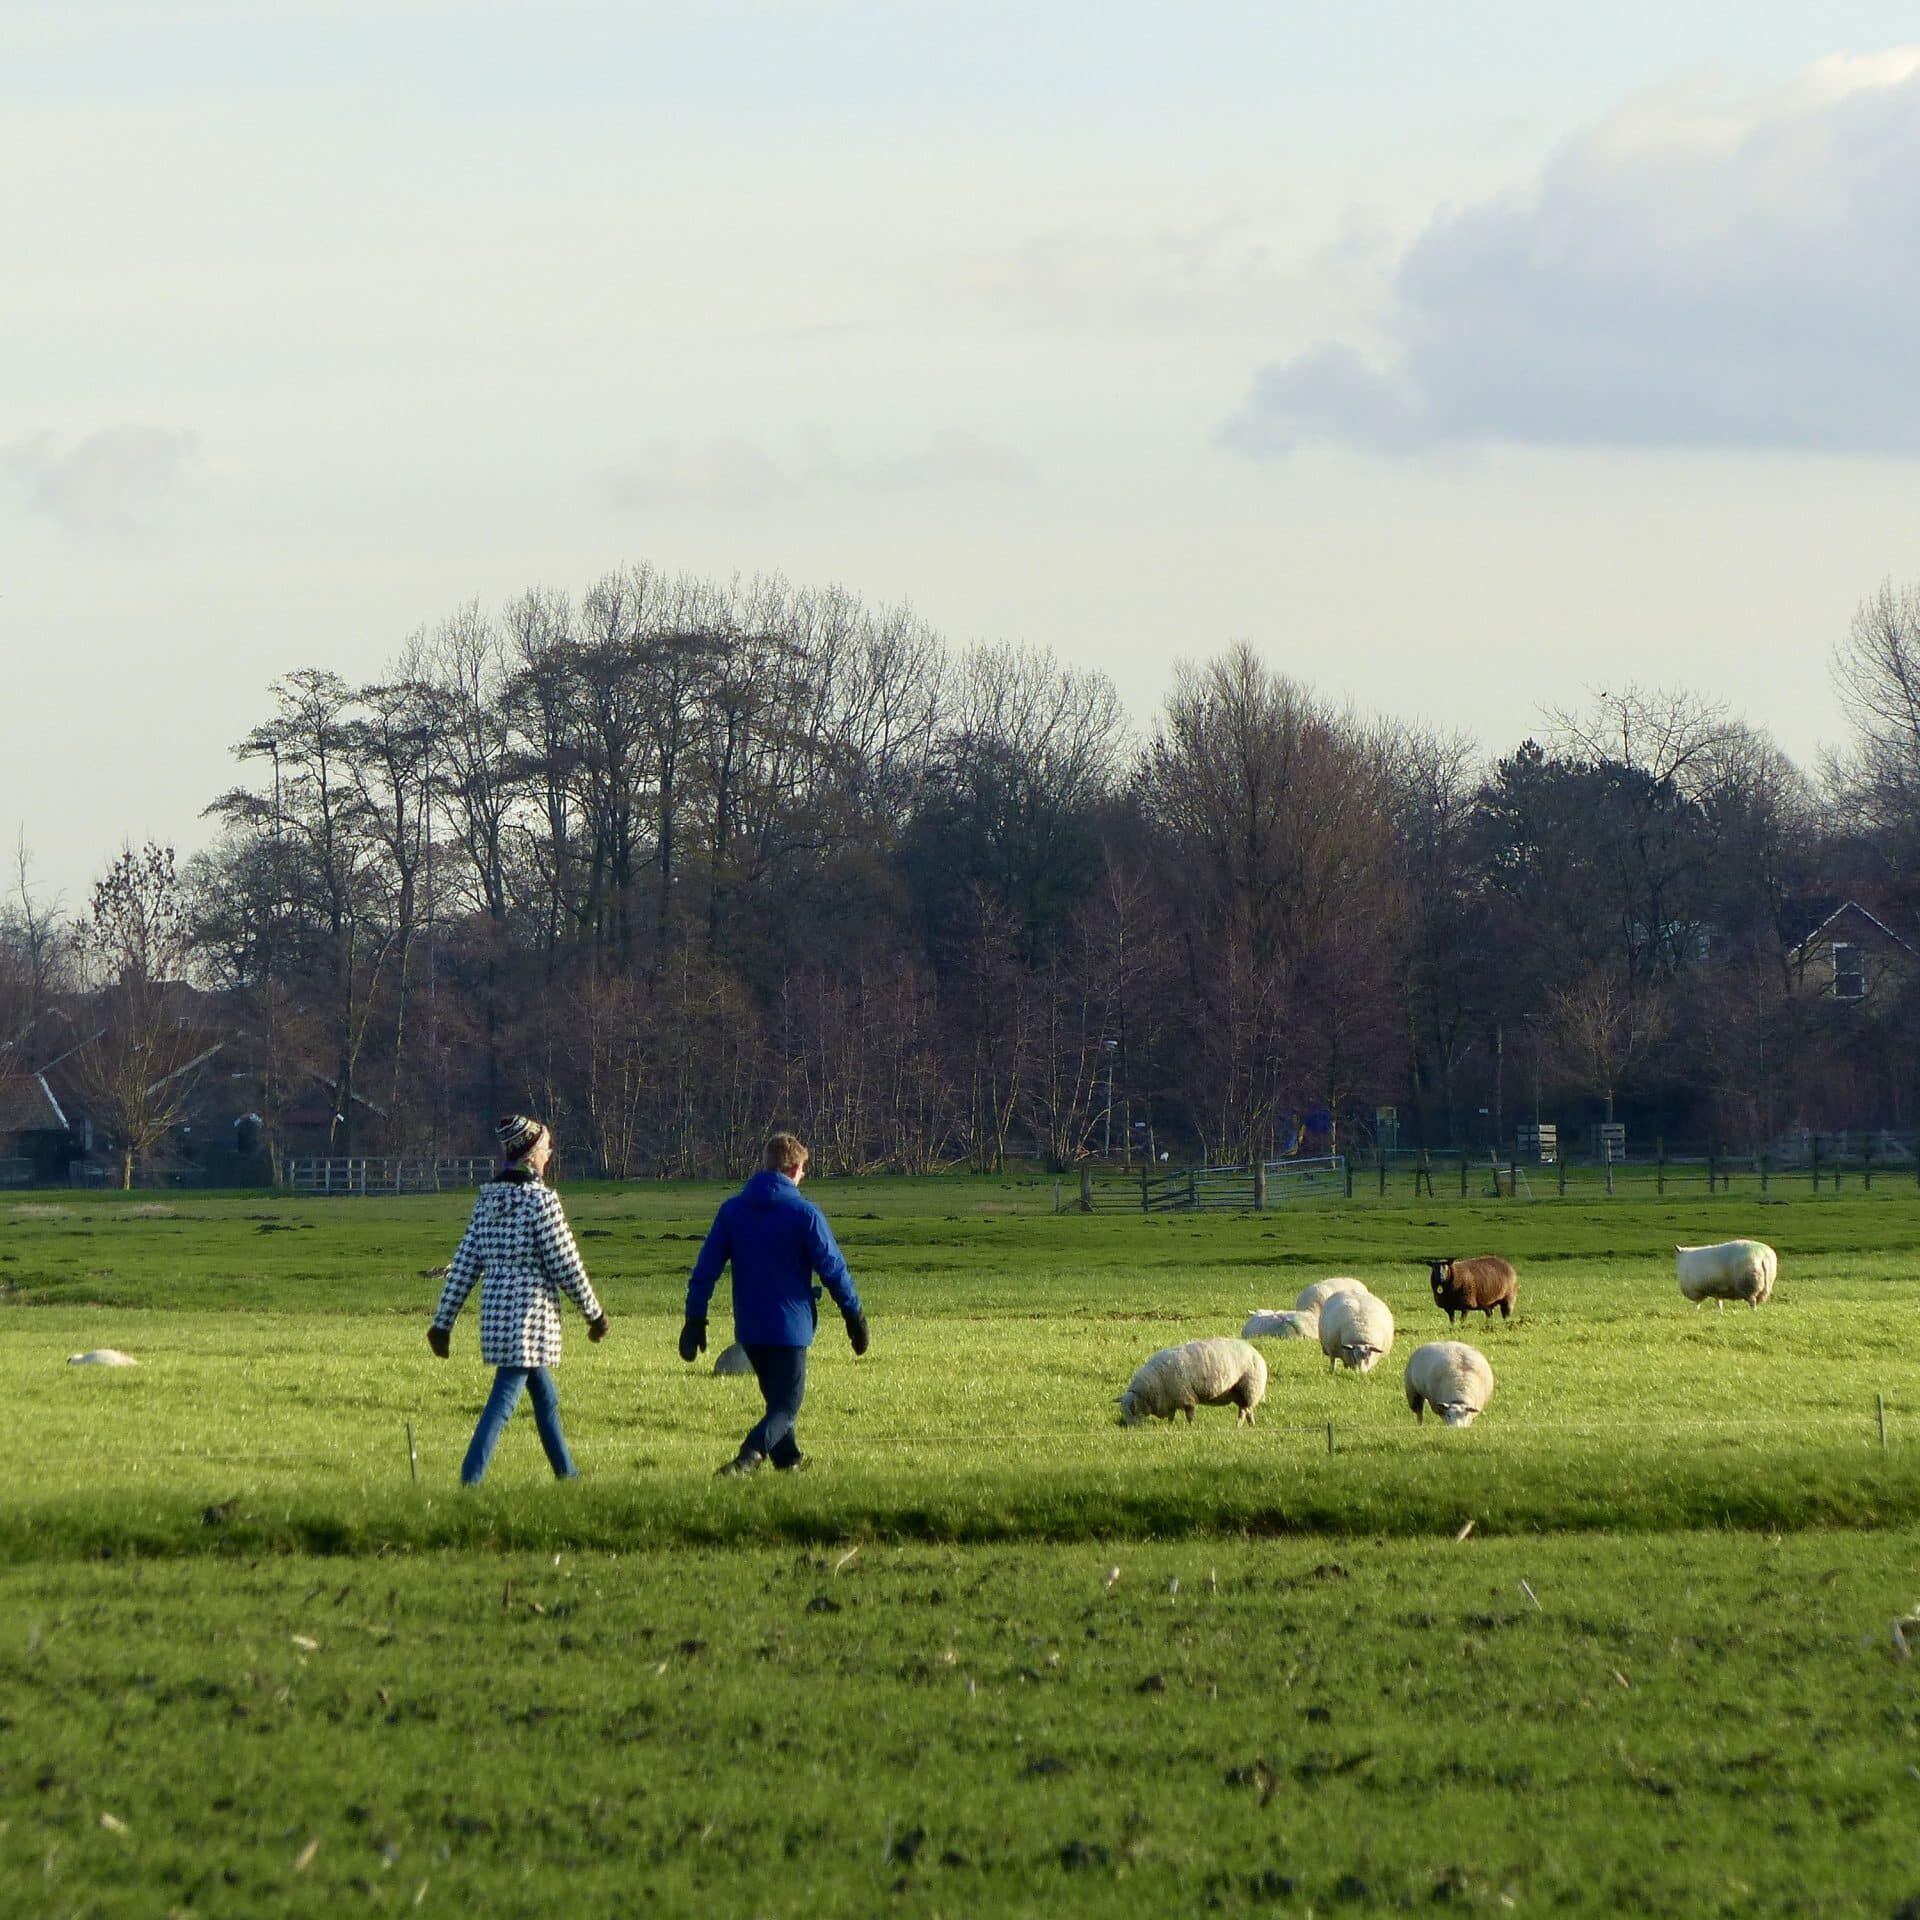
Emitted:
pixel 519 1239
pixel 1732 1270
pixel 1313 1299
pixel 1203 1373
pixel 1356 1319
pixel 1275 1323
pixel 102 1357
pixel 1452 1378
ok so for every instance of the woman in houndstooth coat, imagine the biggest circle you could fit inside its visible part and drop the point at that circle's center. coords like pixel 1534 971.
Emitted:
pixel 519 1239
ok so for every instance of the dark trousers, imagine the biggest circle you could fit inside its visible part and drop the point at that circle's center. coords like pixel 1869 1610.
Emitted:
pixel 782 1373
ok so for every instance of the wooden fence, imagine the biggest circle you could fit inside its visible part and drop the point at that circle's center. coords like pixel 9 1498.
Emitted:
pixel 383 1173
pixel 1279 1183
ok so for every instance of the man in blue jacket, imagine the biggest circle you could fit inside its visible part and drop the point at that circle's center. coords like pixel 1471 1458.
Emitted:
pixel 777 1242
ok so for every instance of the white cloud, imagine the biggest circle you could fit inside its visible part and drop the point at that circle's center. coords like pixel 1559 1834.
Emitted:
pixel 737 475
pixel 951 458
pixel 724 474
pixel 1692 273
pixel 110 482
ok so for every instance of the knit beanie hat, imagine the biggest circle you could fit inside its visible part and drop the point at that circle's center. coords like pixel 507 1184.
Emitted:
pixel 516 1133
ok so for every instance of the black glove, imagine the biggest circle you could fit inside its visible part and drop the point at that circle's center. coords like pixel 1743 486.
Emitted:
pixel 597 1329
pixel 693 1339
pixel 440 1340
pixel 856 1328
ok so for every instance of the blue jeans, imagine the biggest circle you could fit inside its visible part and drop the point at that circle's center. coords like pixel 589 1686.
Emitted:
pixel 782 1373
pixel 507 1385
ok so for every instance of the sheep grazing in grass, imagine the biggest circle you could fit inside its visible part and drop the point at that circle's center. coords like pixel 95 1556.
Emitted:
pixel 733 1360
pixel 102 1357
pixel 1733 1270
pixel 1450 1377
pixel 1470 1286
pixel 1203 1373
pixel 1276 1323
pixel 1356 1330
pixel 1313 1298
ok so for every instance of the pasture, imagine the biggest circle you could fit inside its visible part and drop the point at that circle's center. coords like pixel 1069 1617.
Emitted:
pixel 1657 1673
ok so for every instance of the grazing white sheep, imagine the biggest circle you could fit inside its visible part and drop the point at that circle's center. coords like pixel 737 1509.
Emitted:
pixel 1275 1323
pixel 733 1359
pixel 1733 1270
pixel 1313 1298
pixel 1204 1373
pixel 1356 1330
pixel 102 1357
pixel 1450 1377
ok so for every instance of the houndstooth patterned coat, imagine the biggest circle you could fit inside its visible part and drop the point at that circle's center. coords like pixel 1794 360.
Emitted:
pixel 519 1237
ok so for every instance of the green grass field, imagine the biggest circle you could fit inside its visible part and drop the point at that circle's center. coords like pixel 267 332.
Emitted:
pixel 247 1664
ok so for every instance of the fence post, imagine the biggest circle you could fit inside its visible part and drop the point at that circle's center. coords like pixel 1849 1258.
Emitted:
pixel 1713 1168
pixel 1560 1171
pixel 1463 1176
pixel 1145 1204
pixel 1346 1167
pixel 1816 1163
pixel 1193 1190
pixel 1606 1147
pixel 1259 1186
pixel 1380 1157
pixel 1866 1169
pixel 1513 1177
pixel 1660 1164
pixel 1086 1189
pixel 1766 1167
pixel 1423 1172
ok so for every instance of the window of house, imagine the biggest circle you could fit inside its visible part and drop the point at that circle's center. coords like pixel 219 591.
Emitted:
pixel 1849 972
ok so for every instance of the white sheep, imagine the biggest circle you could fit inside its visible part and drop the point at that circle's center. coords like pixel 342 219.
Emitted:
pixel 733 1360
pixel 1733 1270
pixel 1313 1298
pixel 1450 1377
pixel 102 1357
pixel 1206 1373
pixel 1356 1330
pixel 1275 1323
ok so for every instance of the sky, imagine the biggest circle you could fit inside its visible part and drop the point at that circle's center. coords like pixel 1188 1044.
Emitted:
pixel 1463 360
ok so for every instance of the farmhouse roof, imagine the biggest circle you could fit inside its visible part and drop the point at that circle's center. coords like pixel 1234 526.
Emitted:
pixel 1803 921
pixel 28 1105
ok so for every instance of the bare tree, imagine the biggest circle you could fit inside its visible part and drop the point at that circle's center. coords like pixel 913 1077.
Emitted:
pixel 391 753
pixel 31 955
pixel 1656 753
pixel 1273 818
pixel 1448 985
pixel 337 931
pixel 1599 1032
pixel 1876 674
pixel 141 1059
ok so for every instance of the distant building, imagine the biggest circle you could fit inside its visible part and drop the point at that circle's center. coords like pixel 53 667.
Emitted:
pixel 1837 950
pixel 44 1125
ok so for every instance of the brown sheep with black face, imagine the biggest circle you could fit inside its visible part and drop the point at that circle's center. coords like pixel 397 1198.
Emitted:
pixel 1467 1286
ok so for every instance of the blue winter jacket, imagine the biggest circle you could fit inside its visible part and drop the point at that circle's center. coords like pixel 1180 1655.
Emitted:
pixel 777 1242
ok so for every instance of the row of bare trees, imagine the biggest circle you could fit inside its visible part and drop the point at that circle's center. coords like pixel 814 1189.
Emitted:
pixel 678 858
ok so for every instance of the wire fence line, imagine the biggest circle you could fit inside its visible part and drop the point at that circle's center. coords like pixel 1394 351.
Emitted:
pixel 1283 1186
